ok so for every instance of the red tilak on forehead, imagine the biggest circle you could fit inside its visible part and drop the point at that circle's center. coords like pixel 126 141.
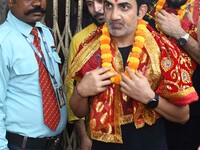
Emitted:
pixel 116 1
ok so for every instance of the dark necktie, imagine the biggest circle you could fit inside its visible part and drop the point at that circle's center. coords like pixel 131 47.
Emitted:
pixel 50 105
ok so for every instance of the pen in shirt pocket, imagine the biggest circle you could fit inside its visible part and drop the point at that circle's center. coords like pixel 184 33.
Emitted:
pixel 53 48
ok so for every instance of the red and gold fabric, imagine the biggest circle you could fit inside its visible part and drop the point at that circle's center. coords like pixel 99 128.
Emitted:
pixel 168 71
pixel 185 22
pixel 74 46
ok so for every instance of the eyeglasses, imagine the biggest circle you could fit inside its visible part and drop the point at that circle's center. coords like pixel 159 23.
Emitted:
pixel 192 12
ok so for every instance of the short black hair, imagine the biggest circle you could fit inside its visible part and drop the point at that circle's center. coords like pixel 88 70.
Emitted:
pixel 141 2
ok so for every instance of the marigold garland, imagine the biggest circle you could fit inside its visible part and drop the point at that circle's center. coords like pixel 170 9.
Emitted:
pixel 181 12
pixel 134 56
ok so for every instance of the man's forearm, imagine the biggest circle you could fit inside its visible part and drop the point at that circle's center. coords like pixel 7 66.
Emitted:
pixel 80 128
pixel 192 49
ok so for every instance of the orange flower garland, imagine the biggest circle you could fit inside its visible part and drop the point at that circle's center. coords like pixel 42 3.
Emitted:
pixel 181 12
pixel 134 56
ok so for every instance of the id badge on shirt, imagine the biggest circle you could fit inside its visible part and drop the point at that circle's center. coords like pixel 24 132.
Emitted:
pixel 60 96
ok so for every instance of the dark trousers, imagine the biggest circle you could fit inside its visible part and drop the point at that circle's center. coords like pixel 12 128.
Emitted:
pixel 184 137
pixel 19 142
pixel 56 147
pixel 147 138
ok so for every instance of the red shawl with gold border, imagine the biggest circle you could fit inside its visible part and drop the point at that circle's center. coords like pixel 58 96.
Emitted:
pixel 167 68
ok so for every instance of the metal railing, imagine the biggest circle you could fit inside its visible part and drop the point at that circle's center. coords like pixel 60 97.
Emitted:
pixel 71 142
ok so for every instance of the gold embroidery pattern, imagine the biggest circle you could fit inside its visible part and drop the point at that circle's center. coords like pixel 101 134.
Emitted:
pixel 185 76
pixel 110 130
pixel 177 70
pixel 167 64
pixel 83 56
pixel 178 94
pixel 153 72
pixel 141 114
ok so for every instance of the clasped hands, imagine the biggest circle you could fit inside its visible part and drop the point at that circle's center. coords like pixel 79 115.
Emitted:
pixel 98 80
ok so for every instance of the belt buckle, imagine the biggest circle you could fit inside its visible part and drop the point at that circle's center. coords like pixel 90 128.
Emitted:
pixel 52 142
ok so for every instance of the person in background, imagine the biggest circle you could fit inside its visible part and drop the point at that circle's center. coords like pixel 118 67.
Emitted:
pixel 172 20
pixel 124 74
pixel 95 9
pixel 3 10
pixel 198 32
pixel 32 104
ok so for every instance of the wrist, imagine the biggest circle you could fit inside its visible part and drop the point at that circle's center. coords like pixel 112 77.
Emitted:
pixel 153 102
pixel 150 96
pixel 79 91
pixel 180 34
pixel 182 41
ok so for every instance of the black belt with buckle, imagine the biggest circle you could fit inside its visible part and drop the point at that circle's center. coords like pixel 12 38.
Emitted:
pixel 32 143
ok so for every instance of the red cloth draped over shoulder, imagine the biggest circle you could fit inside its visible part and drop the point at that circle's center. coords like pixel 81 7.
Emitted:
pixel 177 68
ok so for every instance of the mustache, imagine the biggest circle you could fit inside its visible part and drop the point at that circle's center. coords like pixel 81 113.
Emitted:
pixel 98 14
pixel 115 22
pixel 35 10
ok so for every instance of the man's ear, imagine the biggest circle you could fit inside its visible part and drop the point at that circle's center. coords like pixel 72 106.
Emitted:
pixel 10 3
pixel 142 11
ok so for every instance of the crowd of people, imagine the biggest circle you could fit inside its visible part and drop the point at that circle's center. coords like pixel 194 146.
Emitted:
pixel 132 79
